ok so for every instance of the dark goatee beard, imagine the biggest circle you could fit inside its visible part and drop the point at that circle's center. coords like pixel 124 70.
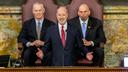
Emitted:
pixel 83 19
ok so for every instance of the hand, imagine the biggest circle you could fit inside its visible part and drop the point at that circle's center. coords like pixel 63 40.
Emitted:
pixel 89 56
pixel 40 53
pixel 38 43
pixel 87 43
pixel 31 44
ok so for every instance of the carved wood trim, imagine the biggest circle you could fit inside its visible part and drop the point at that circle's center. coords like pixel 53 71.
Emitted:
pixel 63 69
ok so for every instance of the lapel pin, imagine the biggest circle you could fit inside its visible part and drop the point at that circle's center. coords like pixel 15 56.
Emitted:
pixel 89 27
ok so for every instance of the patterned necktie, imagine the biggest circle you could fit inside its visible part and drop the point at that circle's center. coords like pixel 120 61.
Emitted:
pixel 38 29
pixel 84 29
pixel 63 35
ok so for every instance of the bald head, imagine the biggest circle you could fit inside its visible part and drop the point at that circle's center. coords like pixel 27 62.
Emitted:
pixel 62 9
pixel 62 14
pixel 83 11
pixel 38 10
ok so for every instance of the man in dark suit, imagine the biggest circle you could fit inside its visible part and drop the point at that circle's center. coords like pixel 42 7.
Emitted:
pixel 91 30
pixel 61 40
pixel 33 33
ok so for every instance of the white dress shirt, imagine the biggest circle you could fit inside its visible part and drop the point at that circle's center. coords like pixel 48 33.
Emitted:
pixel 65 29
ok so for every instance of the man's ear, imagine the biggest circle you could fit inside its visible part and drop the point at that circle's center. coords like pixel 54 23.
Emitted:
pixel 43 10
pixel 89 12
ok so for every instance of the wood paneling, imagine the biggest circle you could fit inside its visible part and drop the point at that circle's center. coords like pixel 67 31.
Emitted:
pixel 63 69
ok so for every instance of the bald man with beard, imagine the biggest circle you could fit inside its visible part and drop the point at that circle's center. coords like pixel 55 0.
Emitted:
pixel 91 32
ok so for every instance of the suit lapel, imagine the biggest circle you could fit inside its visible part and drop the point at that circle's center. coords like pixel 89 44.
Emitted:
pixel 69 36
pixel 57 35
pixel 34 28
pixel 88 27
pixel 78 25
pixel 43 28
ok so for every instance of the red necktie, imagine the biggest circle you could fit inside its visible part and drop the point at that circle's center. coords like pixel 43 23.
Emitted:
pixel 63 35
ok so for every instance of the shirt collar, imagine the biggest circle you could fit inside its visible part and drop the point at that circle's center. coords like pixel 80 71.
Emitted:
pixel 65 26
pixel 41 20
pixel 81 21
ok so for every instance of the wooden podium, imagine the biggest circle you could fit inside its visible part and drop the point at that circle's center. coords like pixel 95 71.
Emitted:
pixel 63 69
pixel 4 60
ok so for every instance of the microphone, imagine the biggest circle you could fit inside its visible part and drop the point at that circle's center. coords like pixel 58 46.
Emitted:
pixel 66 30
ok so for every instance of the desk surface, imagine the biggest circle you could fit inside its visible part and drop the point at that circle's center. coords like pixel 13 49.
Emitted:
pixel 63 69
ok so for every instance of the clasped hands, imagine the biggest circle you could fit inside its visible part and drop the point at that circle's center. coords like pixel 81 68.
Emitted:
pixel 37 43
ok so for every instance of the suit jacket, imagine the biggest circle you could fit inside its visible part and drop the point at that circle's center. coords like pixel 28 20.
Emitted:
pixel 29 33
pixel 94 31
pixel 62 56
